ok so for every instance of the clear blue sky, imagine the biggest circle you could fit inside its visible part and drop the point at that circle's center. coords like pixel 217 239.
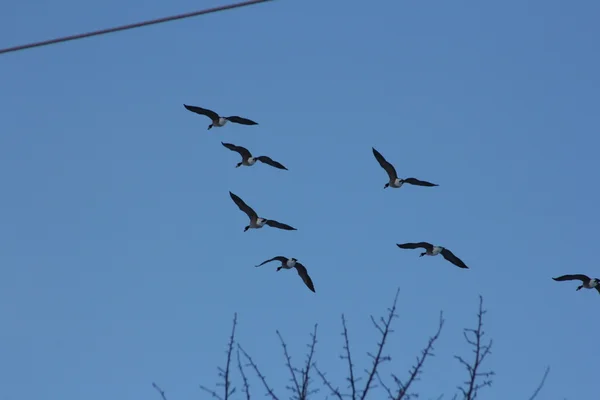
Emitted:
pixel 123 259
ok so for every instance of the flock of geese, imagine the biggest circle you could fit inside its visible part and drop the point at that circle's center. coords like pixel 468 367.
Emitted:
pixel 256 222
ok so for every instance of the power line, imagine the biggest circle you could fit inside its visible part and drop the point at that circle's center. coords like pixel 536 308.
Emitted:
pixel 132 26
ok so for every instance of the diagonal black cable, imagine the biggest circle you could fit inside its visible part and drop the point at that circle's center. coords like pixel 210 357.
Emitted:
pixel 132 26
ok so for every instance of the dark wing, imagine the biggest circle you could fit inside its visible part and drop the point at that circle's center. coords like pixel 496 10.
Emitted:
pixel 448 255
pixel 581 277
pixel 414 181
pixel 598 288
pixel 203 111
pixel 240 120
pixel 269 160
pixel 279 225
pixel 278 258
pixel 242 150
pixel 424 245
pixel 389 168
pixel 304 275
pixel 243 206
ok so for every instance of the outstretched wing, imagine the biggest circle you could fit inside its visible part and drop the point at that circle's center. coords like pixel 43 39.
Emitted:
pixel 389 168
pixel 304 275
pixel 242 150
pixel 414 181
pixel 598 288
pixel 240 120
pixel 278 258
pixel 203 111
pixel 269 160
pixel 275 224
pixel 423 245
pixel 448 255
pixel 581 277
pixel 243 206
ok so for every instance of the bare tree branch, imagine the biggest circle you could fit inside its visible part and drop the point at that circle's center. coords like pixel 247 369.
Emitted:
pixel 326 382
pixel 384 328
pixel 541 385
pixel 385 387
pixel 301 377
pixel 159 390
pixel 224 373
pixel 259 374
pixel 305 372
pixel 288 362
pixel 348 357
pixel 246 389
pixel 300 389
pixel 481 351
pixel 416 370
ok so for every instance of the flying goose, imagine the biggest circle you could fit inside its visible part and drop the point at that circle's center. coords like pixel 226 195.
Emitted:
pixel 255 221
pixel 217 120
pixel 247 158
pixel 588 283
pixel 289 263
pixel 396 182
pixel 431 250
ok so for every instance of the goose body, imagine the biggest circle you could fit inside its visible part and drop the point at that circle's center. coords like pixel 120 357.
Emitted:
pixel 586 281
pixel 289 263
pixel 249 160
pixel 394 181
pixel 431 250
pixel 257 222
pixel 217 120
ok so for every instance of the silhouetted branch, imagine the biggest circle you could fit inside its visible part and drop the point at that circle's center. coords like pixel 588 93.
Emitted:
pixel 288 362
pixel 336 391
pixel 225 373
pixel 244 378
pixel 301 377
pixel 481 351
pixel 384 328
pixel 416 370
pixel 348 357
pixel 159 390
pixel 300 388
pixel 258 373
pixel 541 385
pixel 306 370
pixel 326 382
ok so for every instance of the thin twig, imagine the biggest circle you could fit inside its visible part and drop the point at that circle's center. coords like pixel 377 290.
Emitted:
pixel 224 373
pixel 417 368
pixel 306 370
pixel 541 385
pixel 162 392
pixel 244 378
pixel 385 330
pixel 288 362
pixel 481 351
pixel 326 382
pixel 259 374
pixel 385 387
pixel 348 357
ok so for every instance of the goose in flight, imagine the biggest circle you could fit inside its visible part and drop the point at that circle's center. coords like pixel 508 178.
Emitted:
pixel 587 282
pixel 255 221
pixel 217 120
pixel 289 263
pixel 247 158
pixel 396 182
pixel 431 250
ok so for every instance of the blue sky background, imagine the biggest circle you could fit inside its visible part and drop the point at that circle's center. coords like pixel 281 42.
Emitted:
pixel 123 259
